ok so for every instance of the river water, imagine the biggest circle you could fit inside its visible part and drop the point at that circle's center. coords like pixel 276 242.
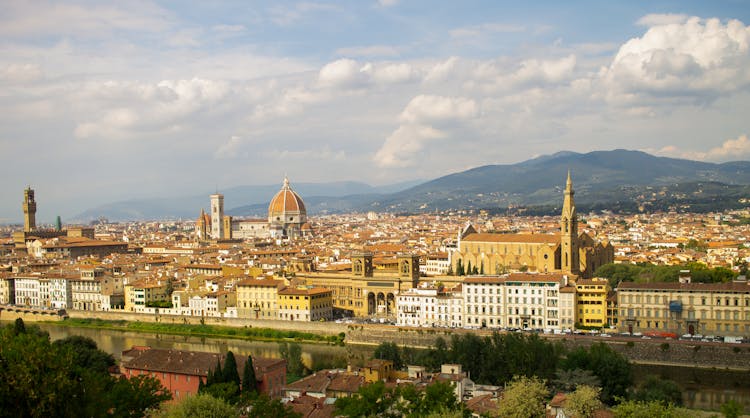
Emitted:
pixel 705 389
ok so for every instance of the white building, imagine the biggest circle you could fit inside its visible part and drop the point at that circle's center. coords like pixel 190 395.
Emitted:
pixel 567 308
pixel 533 300
pixel 28 291
pixel 429 307
pixel 436 265
pixel 484 302
pixel 519 300
pixel 60 293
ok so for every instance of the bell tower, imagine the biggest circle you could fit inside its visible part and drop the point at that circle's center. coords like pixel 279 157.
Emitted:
pixel 217 216
pixel 408 268
pixel 29 210
pixel 569 231
pixel 362 264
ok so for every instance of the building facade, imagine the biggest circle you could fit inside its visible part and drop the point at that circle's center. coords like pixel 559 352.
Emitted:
pixel 720 309
pixel 592 301
pixel 429 307
pixel 258 298
pixel 567 252
pixel 303 304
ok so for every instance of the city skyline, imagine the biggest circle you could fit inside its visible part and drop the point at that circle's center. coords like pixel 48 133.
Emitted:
pixel 107 102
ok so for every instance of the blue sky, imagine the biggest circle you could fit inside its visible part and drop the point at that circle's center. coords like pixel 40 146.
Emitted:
pixel 104 102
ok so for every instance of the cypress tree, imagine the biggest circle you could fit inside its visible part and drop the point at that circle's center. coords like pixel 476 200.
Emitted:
pixel 249 382
pixel 468 268
pixel 459 268
pixel 481 269
pixel 229 373
pixel 218 376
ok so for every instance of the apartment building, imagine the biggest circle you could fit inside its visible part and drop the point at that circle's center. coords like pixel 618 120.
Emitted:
pixel 305 304
pixel 721 309
pixel 258 298
pixel 592 301
pixel 431 306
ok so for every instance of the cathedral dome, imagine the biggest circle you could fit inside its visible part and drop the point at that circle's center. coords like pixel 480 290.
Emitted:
pixel 287 206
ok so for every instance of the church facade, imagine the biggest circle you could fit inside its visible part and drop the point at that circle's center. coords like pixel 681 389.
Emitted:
pixel 287 218
pixel 568 252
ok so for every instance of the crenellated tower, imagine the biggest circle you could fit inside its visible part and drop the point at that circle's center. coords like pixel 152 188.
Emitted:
pixel 29 210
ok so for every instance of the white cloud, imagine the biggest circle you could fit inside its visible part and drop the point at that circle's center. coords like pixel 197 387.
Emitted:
pixel 696 60
pixel 20 73
pixel 656 19
pixel 23 19
pixel 230 149
pixel 285 16
pixel 369 51
pixel 430 109
pixel 342 73
pixel 387 3
pixel 403 145
pixel 129 110
pixel 730 150
pixel 476 31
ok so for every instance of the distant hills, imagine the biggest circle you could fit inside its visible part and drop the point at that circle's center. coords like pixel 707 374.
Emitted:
pixel 618 180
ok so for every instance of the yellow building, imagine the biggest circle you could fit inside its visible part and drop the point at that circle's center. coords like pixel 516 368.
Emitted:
pixel 258 298
pixel 138 294
pixel 377 369
pixel 592 302
pixel 305 304
pixel 720 309
pixel 364 291
pixel 568 252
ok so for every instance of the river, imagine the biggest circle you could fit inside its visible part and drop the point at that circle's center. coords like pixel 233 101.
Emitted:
pixel 705 389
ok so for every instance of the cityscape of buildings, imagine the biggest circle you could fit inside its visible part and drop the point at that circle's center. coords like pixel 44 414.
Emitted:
pixel 455 269
pixel 460 269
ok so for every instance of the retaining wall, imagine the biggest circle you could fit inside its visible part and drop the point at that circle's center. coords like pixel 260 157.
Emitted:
pixel 654 351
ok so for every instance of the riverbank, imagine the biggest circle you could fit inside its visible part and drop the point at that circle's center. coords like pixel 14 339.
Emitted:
pixel 202 330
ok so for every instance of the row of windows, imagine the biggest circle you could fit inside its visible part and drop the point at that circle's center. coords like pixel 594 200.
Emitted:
pixel 704 300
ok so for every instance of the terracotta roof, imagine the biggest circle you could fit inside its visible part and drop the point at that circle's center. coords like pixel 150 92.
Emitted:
pixel 514 238
pixel 346 383
pixel 286 200
pixel 696 287
pixel 261 283
pixel 295 291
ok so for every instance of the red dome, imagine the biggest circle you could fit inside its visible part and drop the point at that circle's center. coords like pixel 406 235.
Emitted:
pixel 286 201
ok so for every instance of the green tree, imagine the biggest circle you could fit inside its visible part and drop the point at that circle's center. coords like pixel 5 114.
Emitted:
pixel 469 270
pixel 227 391
pixel 657 389
pixel 583 402
pixel 44 379
pixel 389 351
pixel 86 354
pixel 732 409
pixel 637 409
pixel 370 400
pixel 249 381
pixel 20 327
pixel 229 372
pixel 612 369
pixel 262 406
pixel 524 397
pixel 568 380
pixel 198 406
pixel 133 397
pixel 460 268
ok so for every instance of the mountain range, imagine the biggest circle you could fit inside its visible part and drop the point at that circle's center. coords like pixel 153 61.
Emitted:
pixel 617 180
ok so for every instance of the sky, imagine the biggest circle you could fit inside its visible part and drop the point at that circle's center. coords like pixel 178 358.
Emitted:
pixel 108 101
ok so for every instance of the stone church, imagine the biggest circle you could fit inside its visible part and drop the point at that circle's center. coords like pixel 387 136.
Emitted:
pixel 571 253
